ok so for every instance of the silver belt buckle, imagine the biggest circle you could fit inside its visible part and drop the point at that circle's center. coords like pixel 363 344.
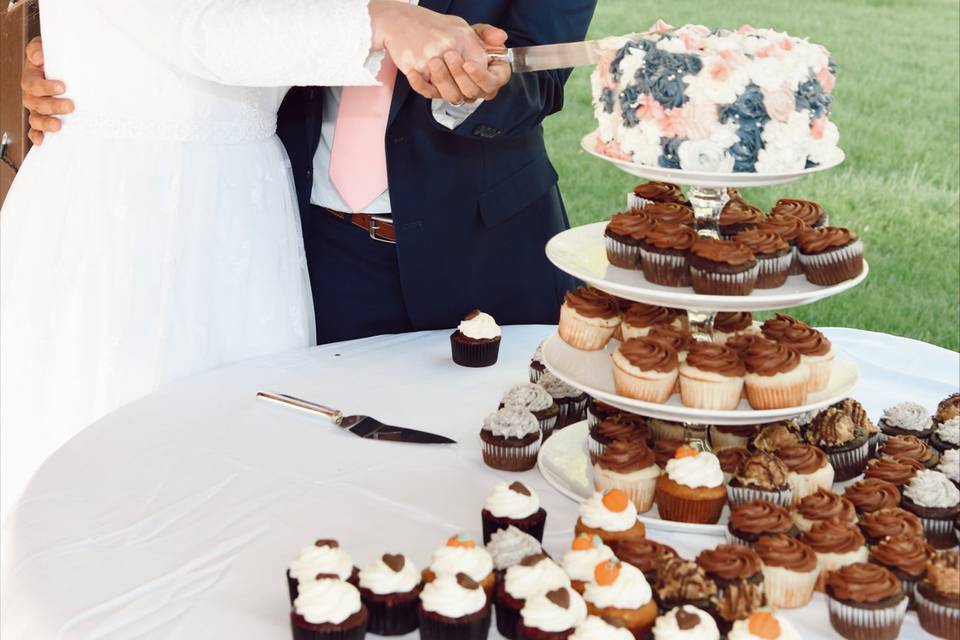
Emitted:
pixel 374 228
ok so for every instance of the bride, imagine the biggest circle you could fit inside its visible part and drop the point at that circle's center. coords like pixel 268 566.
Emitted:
pixel 157 234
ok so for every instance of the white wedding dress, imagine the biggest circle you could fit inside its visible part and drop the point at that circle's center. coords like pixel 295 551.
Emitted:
pixel 157 235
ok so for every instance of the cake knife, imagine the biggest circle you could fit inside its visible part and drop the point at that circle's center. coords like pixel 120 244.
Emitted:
pixel 547 56
pixel 363 426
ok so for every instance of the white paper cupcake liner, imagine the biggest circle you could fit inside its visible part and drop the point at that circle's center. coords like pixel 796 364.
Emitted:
pixel 621 254
pixel 665 269
pixel 654 390
pixel 548 424
pixel 825 268
pixel 640 491
pixel 820 372
pixel 724 284
pixel 738 495
pixel 732 538
pixel 636 202
pixel 777 396
pixel 787 589
pixel 580 334
pixel 595 448
pixel 870 624
pixel 773 272
pixel 704 394
pixel 803 485
pixel 935 616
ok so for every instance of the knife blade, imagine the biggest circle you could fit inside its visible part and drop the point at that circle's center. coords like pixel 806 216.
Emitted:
pixel 547 56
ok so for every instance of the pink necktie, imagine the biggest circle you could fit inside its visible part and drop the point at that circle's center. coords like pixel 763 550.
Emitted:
pixel 358 159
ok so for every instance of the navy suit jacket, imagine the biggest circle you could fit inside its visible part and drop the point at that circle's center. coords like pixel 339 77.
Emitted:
pixel 473 207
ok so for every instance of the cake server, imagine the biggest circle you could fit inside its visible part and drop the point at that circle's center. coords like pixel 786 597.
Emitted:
pixel 547 56
pixel 363 426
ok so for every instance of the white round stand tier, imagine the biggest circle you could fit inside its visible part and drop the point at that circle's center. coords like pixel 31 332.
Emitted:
pixel 703 179
pixel 581 252
pixel 592 373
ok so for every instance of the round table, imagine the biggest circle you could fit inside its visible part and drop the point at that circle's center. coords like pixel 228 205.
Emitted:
pixel 175 516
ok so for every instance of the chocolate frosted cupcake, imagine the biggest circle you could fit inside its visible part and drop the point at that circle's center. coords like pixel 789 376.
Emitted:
pixel 789 571
pixel 872 494
pixel 936 501
pixel 328 609
pixel 844 442
pixel 626 427
pixel 727 324
pixel 681 582
pixel 664 449
pixel 730 459
pixel 735 570
pixel 722 267
pixel 647 555
pixel 390 589
pixel 809 469
pixel 537 401
pixel 645 369
pixel 680 340
pixel 598 411
pixel 822 506
pixel 742 341
pixel 906 556
pixel 815 351
pixel 777 435
pixel 837 544
pixel 711 377
pixel 911 447
pixel 510 439
pixel 322 558
pixel 476 342
pixel 665 254
pixel 774 256
pixel 938 596
pixel 640 318
pixel 571 401
pixel 654 192
pixel 749 521
pixel 513 505
pixel 588 318
pixel 582 559
pixel 896 471
pixel 830 255
pixel 454 607
pixel 631 467
pixel 671 213
pixel 810 212
pixel 789 228
pixel 738 215
pixel 730 436
pixel 894 522
pixel 946 435
pixel 553 615
pixel 533 576
pixel 906 419
pixel 774 328
pixel 622 238
pixel 866 602
pixel 776 376
pixel 761 477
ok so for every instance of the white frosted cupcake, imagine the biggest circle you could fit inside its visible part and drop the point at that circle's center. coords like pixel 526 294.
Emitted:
pixel 950 465
pixel 571 401
pixel 946 435
pixel 935 499
pixel 584 555
pixel 588 319
pixel 537 401
pixel 324 558
pixel 552 614
pixel 628 465
pixel 533 576
pixel 594 628
pixel 711 377
pixel 620 592
pixel 645 369
pixel 510 439
pixel 329 607
pixel 390 589
pixel 692 488
pixel 686 622
pixel 453 606
pixel 905 419
pixel 763 625
pixel 611 516
pixel 513 504
pixel 462 555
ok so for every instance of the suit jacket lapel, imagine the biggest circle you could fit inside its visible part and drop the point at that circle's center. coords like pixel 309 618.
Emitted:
pixel 402 89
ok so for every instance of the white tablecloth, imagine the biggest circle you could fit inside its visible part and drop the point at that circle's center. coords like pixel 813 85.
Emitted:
pixel 175 516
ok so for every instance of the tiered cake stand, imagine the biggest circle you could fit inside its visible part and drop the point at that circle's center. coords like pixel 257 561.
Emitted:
pixel 581 253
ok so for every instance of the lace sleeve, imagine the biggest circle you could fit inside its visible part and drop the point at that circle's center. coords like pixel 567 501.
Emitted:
pixel 262 43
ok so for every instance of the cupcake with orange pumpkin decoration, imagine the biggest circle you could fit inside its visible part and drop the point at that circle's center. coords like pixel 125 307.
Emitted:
pixel 619 592
pixel 691 489
pixel 763 625
pixel 461 554
pixel 585 553
pixel 610 516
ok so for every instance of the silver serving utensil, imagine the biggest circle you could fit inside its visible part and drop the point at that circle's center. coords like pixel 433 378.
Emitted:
pixel 547 56
pixel 363 426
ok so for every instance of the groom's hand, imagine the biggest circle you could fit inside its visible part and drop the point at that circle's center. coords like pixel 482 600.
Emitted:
pixel 457 80
pixel 39 94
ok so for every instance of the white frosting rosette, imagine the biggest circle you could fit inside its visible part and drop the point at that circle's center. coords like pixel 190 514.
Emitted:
pixel 594 628
pixel 932 489
pixel 481 326
pixel 581 563
pixel 594 514
pixel 473 561
pixel 511 422
pixel 531 397
pixel 509 546
pixel 908 416
pixel 950 464
pixel 741 630
pixel 949 431
pixel 557 388
pixel 317 559
pixel 667 627
pixel 629 591
pixel 327 601
pixel 786 144
pixel 446 597
pixel 504 502
pixel 548 613
pixel 524 581
pixel 381 578
pixel 701 470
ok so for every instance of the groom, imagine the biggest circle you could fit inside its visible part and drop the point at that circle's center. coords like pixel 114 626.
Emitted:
pixel 419 210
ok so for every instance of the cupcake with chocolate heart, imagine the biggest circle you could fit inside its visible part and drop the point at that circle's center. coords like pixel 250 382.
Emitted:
pixel 809 469
pixel 866 601
pixel 749 521
pixel 830 255
pixel 809 212
pixel 776 375
pixel 732 436
pixel 774 256
pixel 906 556
pixel 727 324
pixel 735 569
pixel 711 377
pixel 722 267
pixel 682 581
pixel 671 213
pixel 476 342
pixel 510 439
pixel 730 460
pixel 322 558
pixel 822 506
pixel 893 522
pixel 654 192
pixel 789 228
pixel 640 318
pixel 896 471
pixel 509 546
pixel 588 319
pixel 844 442
pixel 533 576
pixel 513 505
pixel 619 593
pixel 946 435
pixel 686 622
pixel 777 435
pixel 631 467
pixel 789 571
pixel 763 625
pixel 837 544
pixel 910 447
pixel 691 489
pixel 571 401
pixel 647 555
pixel 624 426
pixel 622 238
pixel 938 596
pixel 611 516
pixel 328 609
pixel 454 607
pixel 459 555
pixel 815 351
pixel 594 628
pixel 645 369
pixel 936 501
pixel 537 401
pixel 665 254
pixel 906 419
pixel 553 615
pixel 761 477
pixel 584 555
pixel 390 589
pixel 738 216
pixel 872 494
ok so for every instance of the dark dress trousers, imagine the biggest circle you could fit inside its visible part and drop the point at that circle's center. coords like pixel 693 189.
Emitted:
pixel 473 207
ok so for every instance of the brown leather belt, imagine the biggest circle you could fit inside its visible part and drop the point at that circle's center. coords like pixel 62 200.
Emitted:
pixel 380 228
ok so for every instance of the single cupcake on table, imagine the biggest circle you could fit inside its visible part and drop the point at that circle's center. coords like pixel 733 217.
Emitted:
pixel 554 615
pixel 665 254
pixel 896 471
pixel 328 609
pixel 830 255
pixel 454 607
pixel 844 442
pixel 823 505
pixel 946 435
pixel 537 368
pixel 736 571
pixel 510 439
pixel 671 213
pixel 866 602
pixel 533 576
pixel 686 622
pixel 622 238
pixel 647 555
pixel 885 523
pixel 837 544
pixel 681 581
pixel 691 489
pixel 810 212
pixel 737 216
pixel 815 351
pixel 776 375
pixel 584 555
pixel 323 557
pixel 390 589
pixel 937 597
pixel 910 447
pixel 774 256
pixel 936 501
pixel 763 625
pixel 611 516
pixel 537 401
pixel 631 467
pixel 727 324
pixel 461 554
pixel 625 427
pixel 476 342
pixel 788 228
pixel 950 465
pixel 653 192
pixel 906 556
pixel 906 419
pixel 513 504
pixel 775 436
pixel 640 318
pixel 789 571
pixel 509 546
pixel 645 369
pixel 730 460
pixel 711 377
pixel 588 319
pixel 762 476
pixel 722 267
pixel 571 401
pixel 729 436
pixel 872 494
pixel 749 521
pixel 594 628
pixel 620 593
pixel 809 469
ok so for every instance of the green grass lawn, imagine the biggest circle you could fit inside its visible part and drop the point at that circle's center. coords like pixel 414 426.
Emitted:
pixel 897 97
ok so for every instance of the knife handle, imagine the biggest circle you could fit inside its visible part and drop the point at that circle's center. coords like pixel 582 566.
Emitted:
pixel 333 414
pixel 500 54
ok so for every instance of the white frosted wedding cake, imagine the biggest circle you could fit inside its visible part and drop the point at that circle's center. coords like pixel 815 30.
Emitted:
pixel 692 98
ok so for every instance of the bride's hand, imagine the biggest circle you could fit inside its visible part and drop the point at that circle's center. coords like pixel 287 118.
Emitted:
pixel 39 94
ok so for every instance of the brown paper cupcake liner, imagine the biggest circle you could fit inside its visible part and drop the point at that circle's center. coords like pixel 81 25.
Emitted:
pixel 474 354
pixel 664 268
pixel 433 627
pixel 788 589
pixel 773 272
pixel 620 254
pixel 857 623
pixel 796 269
pixel 939 532
pixel 849 464
pixel 392 616
pixel 571 410
pixel 737 495
pixel 724 284
pixel 680 509
pixel 937 619
pixel 833 267
pixel 357 632
pixel 507 458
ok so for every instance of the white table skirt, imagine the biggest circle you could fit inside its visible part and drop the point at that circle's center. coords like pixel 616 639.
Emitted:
pixel 175 516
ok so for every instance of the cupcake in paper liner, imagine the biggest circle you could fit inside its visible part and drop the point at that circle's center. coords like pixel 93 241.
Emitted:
pixel 837 544
pixel 774 256
pixel 328 609
pixel 667 213
pixel 454 607
pixel 537 401
pixel 789 228
pixel 476 342
pixel 527 579
pixel 390 589
pixel 681 581
pixel 588 319
pixel 628 465
pixel 789 571
pixel 580 561
pixel 645 369
pixel 711 377
pixel 889 523
pixel 823 505
pixel 620 594
pixel 830 255
pixel 571 401
pixel 937 596
pixel 946 435
pixel 510 439
pixel 816 352
pixel 622 426
pixel 843 440
pixel 640 319
pixel 653 192
pixel 866 602
pixel 552 615
pixel 907 557
pixel 664 254
pixel 727 324
pixel 691 489
pixel 936 501
pixel 776 376
pixel 760 477
pixel 509 546
pixel 896 471
pixel 809 469
pixel 722 267
pixel 622 238
pixel 749 521
pixel 513 505
pixel 324 557
pixel 737 216
pixel 809 212
pixel 872 494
